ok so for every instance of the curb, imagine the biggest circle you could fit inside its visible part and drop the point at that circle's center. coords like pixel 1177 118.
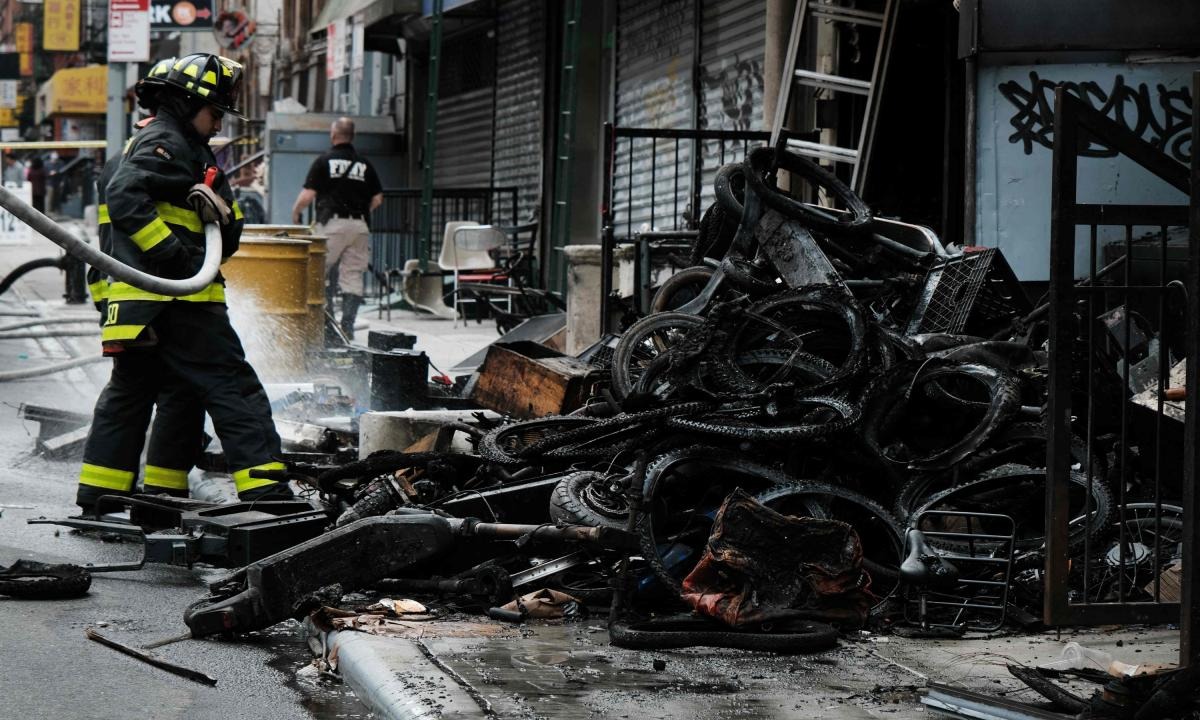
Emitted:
pixel 395 678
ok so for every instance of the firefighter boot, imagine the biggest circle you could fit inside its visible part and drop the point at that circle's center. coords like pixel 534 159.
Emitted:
pixel 350 305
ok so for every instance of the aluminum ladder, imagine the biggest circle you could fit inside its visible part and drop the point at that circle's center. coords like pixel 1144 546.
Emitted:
pixel 858 156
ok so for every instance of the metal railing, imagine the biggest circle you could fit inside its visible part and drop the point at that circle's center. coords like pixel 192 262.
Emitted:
pixel 1118 329
pixel 658 180
pixel 396 225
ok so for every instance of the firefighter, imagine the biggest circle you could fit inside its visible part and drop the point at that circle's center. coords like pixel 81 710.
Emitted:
pixel 347 189
pixel 177 432
pixel 160 194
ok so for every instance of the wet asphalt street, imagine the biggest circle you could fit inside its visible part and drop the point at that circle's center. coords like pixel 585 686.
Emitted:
pixel 51 669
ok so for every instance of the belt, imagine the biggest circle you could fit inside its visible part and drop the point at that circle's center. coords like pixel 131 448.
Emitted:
pixel 349 217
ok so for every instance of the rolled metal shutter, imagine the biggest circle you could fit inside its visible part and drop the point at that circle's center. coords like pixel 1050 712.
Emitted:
pixel 652 179
pixel 732 44
pixel 520 59
pixel 464 140
pixel 466 110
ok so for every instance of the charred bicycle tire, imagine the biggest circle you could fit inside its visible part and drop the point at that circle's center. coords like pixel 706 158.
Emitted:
pixel 762 162
pixel 568 441
pixel 688 280
pixel 812 321
pixel 888 398
pixel 31 580
pixel 670 633
pixel 644 341
pixel 503 444
pixel 579 499
pixel 1006 488
pixel 1023 442
pixel 744 429
pixel 757 369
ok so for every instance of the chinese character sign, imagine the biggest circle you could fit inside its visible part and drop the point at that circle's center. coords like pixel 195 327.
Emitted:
pixel 60 28
pixel 24 33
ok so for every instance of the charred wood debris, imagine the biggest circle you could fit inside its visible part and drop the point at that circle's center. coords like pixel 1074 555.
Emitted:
pixel 829 422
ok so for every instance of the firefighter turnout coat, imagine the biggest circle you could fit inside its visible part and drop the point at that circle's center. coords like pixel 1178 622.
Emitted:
pixel 147 223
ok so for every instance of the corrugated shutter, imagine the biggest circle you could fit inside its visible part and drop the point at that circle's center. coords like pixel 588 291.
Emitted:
pixel 464 140
pixel 732 43
pixel 466 110
pixel 651 180
pixel 520 48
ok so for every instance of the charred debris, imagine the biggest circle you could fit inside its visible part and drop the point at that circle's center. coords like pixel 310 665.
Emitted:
pixel 830 421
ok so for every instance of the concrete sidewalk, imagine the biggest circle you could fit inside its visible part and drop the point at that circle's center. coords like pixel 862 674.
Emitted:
pixel 570 671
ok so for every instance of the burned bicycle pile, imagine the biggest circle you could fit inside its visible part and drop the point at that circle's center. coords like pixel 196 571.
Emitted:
pixel 830 420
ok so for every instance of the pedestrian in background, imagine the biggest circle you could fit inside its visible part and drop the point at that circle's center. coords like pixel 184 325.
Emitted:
pixel 36 175
pixel 347 190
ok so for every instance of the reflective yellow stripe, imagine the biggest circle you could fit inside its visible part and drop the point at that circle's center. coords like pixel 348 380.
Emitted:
pixel 244 482
pixel 109 333
pixel 102 214
pixel 184 217
pixel 154 233
pixel 161 477
pixel 107 478
pixel 202 90
pixel 237 211
pixel 192 70
pixel 98 290
pixel 210 77
pixel 215 292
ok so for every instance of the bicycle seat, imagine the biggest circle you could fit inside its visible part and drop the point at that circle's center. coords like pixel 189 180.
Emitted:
pixel 923 566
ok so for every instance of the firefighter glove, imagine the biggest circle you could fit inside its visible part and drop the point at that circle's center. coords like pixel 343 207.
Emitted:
pixel 209 205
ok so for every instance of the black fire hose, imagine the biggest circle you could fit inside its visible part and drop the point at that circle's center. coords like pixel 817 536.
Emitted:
pixel 25 267
pixel 106 263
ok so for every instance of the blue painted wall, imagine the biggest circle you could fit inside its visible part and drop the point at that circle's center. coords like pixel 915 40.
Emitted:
pixel 1015 137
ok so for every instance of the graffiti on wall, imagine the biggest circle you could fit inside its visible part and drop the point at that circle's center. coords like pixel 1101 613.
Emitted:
pixel 730 95
pixel 1162 116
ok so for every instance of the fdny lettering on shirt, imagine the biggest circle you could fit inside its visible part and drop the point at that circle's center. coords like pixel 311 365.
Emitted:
pixel 351 169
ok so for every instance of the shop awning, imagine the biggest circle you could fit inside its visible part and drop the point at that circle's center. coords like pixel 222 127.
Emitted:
pixel 371 11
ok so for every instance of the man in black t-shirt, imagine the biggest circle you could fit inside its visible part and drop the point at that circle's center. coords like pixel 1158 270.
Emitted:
pixel 346 189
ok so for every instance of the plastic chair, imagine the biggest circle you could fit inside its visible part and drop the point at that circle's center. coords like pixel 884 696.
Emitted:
pixel 469 246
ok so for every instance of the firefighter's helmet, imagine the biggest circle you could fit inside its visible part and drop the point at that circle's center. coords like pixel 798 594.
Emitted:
pixel 212 79
pixel 147 88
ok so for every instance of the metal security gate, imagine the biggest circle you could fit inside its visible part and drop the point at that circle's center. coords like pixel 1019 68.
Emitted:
pixel 466 110
pixel 520 64
pixel 1120 326
pixel 396 225
pixel 670 188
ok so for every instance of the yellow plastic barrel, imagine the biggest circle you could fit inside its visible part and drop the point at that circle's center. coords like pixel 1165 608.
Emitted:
pixel 277 230
pixel 317 250
pixel 267 283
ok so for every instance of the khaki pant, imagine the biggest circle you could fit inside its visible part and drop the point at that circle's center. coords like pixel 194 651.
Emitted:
pixel 350 243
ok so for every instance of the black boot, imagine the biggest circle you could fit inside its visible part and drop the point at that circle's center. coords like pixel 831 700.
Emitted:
pixel 350 305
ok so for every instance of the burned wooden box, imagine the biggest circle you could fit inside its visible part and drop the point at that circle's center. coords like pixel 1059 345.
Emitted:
pixel 528 380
